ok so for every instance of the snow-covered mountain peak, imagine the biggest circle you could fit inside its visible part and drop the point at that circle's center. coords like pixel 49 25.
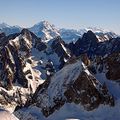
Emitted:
pixel 44 23
pixel 45 30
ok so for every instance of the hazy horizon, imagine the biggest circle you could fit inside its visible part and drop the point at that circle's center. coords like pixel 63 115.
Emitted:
pixel 63 14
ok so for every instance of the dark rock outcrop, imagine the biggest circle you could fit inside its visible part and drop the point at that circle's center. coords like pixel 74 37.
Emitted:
pixel 59 46
pixel 76 85
pixel 86 44
pixel 90 44
pixel 13 61
pixel 16 73
pixel 108 64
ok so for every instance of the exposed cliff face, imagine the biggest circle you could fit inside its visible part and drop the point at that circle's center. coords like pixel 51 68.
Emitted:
pixel 16 55
pixel 86 44
pixel 109 65
pixel 72 84
pixel 17 77
pixel 13 60
pixel 53 52
pixel 90 44
pixel 25 60
pixel 61 50
pixel 104 56
pixel 113 63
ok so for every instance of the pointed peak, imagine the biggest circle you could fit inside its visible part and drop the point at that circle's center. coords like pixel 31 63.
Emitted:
pixel 90 36
pixel 45 30
pixel 41 22
pixel 24 30
pixel 44 23
pixel 90 32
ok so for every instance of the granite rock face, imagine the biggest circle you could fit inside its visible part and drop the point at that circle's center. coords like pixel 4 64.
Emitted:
pixel 12 58
pixel 24 59
pixel 89 43
pixel 72 84
pixel 68 71
pixel 109 65
pixel 18 79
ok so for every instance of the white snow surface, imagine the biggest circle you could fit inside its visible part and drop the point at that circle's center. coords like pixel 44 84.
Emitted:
pixel 113 87
pixel 59 83
pixel 5 115
pixel 71 111
pixel 65 50
pixel 45 30
pixel 41 59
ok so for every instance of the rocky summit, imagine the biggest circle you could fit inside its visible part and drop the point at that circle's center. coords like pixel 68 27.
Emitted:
pixel 72 84
pixel 42 76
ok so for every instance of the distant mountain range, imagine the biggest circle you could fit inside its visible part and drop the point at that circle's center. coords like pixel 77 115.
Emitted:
pixel 7 29
pixel 48 31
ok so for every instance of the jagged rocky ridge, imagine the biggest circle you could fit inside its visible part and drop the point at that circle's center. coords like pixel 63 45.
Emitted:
pixel 26 60
pixel 90 44
pixel 17 78
pixel 109 65
pixel 73 84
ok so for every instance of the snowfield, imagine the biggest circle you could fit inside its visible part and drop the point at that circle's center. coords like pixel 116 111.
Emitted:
pixel 71 111
pixel 5 115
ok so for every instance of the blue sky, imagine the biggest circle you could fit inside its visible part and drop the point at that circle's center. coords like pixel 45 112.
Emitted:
pixel 63 13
